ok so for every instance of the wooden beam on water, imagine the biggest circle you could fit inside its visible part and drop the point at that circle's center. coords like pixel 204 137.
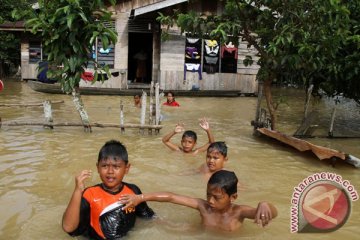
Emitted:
pixel 70 124
pixel 40 104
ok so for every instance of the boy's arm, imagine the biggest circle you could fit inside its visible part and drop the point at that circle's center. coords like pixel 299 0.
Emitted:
pixel 262 214
pixel 71 217
pixel 166 139
pixel 204 124
pixel 133 200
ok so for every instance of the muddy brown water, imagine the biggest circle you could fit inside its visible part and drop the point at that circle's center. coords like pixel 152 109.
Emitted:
pixel 37 166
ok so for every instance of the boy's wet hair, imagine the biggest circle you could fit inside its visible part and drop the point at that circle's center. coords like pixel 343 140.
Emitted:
pixel 190 134
pixel 115 150
pixel 219 146
pixel 226 180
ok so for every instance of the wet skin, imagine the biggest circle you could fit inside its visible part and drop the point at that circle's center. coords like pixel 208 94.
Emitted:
pixel 112 173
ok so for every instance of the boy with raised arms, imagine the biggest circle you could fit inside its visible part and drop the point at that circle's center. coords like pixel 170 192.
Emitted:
pixel 218 210
pixel 189 138
pixel 95 211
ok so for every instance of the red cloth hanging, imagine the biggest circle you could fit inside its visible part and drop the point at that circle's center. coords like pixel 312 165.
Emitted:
pixel 1 85
pixel 87 76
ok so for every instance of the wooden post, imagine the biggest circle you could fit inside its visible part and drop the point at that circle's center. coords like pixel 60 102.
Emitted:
pixel 80 108
pixel 122 117
pixel 157 106
pixel 308 97
pixel 151 105
pixel 331 129
pixel 256 123
pixel 143 111
pixel 48 114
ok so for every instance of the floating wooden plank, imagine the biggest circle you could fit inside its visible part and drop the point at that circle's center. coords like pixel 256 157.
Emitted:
pixel 301 145
pixel 306 128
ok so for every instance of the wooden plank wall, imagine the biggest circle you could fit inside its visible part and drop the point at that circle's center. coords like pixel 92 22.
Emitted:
pixel 172 61
pixel 28 70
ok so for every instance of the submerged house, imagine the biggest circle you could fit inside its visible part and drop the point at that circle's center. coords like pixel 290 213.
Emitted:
pixel 139 56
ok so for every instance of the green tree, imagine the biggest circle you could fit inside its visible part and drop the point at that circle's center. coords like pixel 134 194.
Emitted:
pixel 69 30
pixel 10 44
pixel 303 42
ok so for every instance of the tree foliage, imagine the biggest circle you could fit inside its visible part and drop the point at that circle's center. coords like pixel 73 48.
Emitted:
pixel 69 29
pixel 10 44
pixel 301 42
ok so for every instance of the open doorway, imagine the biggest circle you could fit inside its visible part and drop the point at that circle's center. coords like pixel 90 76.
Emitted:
pixel 140 57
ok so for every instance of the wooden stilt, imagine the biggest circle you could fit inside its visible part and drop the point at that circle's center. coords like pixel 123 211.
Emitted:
pixel 48 114
pixel 257 122
pixel 80 108
pixel 122 117
pixel 143 111
pixel 151 105
pixel 308 97
pixel 331 129
pixel 157 106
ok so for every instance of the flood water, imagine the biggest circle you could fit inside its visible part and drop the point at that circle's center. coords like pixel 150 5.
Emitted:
pixel 37 165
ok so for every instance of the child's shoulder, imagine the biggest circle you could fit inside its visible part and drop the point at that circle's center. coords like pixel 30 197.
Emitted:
pixel 133 187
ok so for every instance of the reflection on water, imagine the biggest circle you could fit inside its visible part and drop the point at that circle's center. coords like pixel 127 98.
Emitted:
pixel 37 166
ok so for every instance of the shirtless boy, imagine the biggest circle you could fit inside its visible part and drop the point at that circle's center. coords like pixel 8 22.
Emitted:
pixel 189 138
pixel 218 211
pixel 216 156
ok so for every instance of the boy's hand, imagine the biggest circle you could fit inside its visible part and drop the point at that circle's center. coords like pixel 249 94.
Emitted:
pixel 204 124
pixel 179 128
pixel 263 214
pixel 130 200
pixel 80 179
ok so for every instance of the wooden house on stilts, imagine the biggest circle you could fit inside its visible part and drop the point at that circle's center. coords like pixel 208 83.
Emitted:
pixel 139 57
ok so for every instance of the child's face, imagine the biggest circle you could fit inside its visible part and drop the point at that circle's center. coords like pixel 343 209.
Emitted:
pixel 217 198
pixel 187 144
pixel 136 99
pixel 170 97
pixel 112 173
pixel 215 160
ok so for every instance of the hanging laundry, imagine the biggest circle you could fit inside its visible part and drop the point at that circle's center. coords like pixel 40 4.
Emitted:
pixel 105 51
pixel 87 76
pixel 192 53
pixel 192 67
pixel 229 51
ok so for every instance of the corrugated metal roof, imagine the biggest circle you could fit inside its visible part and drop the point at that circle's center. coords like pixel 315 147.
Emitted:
pixel 154 6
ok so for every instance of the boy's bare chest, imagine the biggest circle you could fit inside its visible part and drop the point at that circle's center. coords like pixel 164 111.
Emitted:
pixel 226 222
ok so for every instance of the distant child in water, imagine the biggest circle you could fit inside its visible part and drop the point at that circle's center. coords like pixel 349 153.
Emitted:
pixel 189 138
pixel 95 211
pixel 137 100
pixel 171 100
pixel 218 211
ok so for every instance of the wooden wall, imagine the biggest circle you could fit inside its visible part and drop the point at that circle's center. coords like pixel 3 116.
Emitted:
pixel 172 61
pixel 28 70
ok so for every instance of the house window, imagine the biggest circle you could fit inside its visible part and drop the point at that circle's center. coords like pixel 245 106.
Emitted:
pixel 104 56
pixel 101 55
